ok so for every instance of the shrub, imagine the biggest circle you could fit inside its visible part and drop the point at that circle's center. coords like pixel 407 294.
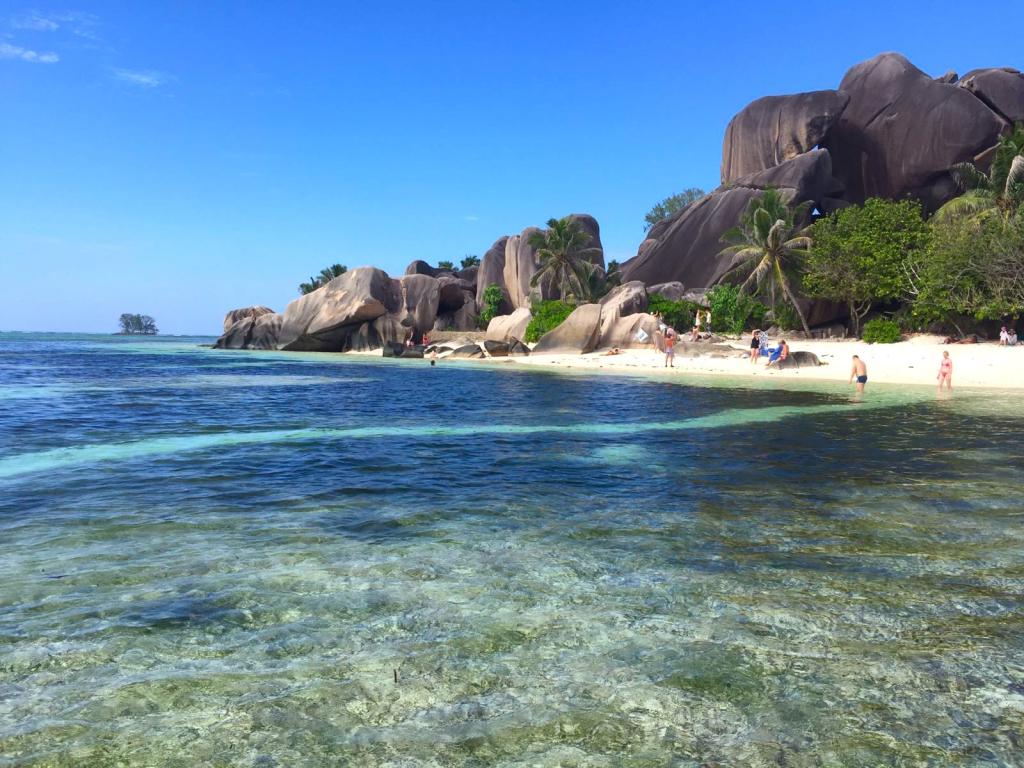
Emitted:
pixel 786 317
pixel 731 311
pixel 491 304
pixel 881 331
pixel 677 314
pixel 547 315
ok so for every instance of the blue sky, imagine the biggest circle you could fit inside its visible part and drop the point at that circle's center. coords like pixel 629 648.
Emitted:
pixel 180 159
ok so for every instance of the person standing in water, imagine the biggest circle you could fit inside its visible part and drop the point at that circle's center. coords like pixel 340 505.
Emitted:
pixel 860 372
pixel 945 371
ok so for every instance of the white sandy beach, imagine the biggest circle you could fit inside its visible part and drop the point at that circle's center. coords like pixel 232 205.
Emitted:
pixel 914 362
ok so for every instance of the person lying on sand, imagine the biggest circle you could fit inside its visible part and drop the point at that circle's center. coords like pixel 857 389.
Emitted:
pixel 612 351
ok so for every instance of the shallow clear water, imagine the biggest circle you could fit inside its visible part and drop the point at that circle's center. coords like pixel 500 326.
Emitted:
pixel 226 558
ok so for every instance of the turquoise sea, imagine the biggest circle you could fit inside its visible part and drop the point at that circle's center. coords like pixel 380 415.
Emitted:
pixel 214 558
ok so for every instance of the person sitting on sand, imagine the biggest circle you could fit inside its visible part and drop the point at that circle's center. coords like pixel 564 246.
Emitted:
pixel 781 353
pixel 755 345
pixel 1011 338
pixel 860 371
pixel 945 371
pixel 1004 337
pixel 612 351
pixel 670 348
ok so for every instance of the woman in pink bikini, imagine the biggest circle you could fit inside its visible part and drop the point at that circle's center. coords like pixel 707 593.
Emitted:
pixel 945 371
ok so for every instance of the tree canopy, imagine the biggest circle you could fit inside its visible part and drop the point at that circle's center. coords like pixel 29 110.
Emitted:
pixel 861 254
pixel 670 205
pixel 564 252
pixel 137 324
pixel 326 275
pixel 769 247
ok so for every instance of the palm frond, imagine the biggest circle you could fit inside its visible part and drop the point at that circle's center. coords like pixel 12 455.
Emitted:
pixel 968 177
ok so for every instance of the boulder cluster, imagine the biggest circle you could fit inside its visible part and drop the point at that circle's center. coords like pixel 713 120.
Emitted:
pixel 889 130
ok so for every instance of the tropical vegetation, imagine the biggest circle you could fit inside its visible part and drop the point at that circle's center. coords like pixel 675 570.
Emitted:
pixel 326 275
pixel 137 324
pixel 448 265
pixel 1000 190
pixel 492 299
pixel 565 259
pixel 469 260
pixel 675 314
pixel 882 331
pixel 671 205
pixel 860 255
pixel 768 248
pixel 732 310
pixel 547 315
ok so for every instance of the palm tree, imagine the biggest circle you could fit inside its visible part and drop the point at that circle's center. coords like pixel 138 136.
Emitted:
pixel 564 252
pixel 1001 189
pixel 769 247
pixel 326 275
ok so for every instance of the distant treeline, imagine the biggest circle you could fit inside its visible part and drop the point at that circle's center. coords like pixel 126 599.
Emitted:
pixel 133 324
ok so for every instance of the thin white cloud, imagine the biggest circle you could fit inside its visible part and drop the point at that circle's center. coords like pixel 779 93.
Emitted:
pixel 8 51
pixel 35 22
pixel 472 218
pixel 144 78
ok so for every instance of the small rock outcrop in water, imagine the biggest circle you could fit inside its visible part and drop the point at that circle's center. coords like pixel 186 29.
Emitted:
pixel 250 328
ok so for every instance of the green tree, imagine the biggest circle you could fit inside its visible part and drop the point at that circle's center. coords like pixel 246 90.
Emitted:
pixel 446 265
pixel 565 256
pixel 470 261
pixel 670 205
pixel 137 324
pixel 974 270
pixel 547 315
pixel 1001 189
pixel 768 248
pixel 492 299
pixel 860 254
pixel 732 310
pixel 326 275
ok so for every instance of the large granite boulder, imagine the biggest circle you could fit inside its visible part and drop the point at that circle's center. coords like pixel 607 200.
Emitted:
pixel 506 327
pixel 234 315
pixel 265 332
pixel 491 272
pixel 624 332
pixel 250 328
pixel 626 299
pixel 420 267
pixel 579 333
pixel 672 290
pixel 421 296
pixel 685 246
pixel 1000 88
pixel 512 262
pixel 325 319
pixel 774 129
pixel 902 130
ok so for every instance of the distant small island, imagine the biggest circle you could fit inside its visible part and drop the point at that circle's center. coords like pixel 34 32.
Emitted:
pixel 137 325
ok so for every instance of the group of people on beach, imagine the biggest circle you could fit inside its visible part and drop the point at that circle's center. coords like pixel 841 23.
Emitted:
pixel 761 347
pixel 1007 337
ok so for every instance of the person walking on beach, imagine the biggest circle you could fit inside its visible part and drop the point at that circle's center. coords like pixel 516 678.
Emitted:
pixel 945 371
pixel 755 345
pixel 670 348
pixel 707 322
pixel 860 372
